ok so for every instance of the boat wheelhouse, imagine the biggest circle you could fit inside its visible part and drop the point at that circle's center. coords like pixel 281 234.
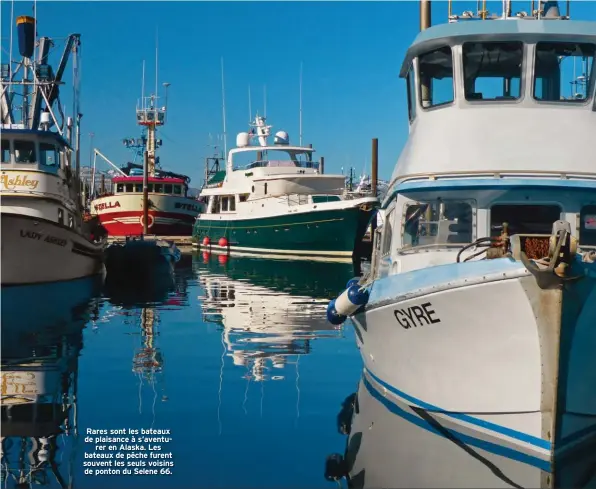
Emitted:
pixel 275 199
pixel 481 300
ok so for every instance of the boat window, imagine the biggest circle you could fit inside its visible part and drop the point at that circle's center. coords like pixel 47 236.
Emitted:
pixel 60 216
pixel 317 199
pixel 215 206
pixel 70 221
pixel 411 88
pixel 159 188
pixel 177 190
pixel 139 187
pixel 48 155
pixel 492 70
pixel 436 77
pixel 129 187
pixel 167 188
pixel 524 218
pixel 437 222
pixel 150 187
pixel 265 188
pixel 5 151
pixel 224 204
pixel 232 204
pixel 563 71
pixel 120 187
pixel 587 227
pixel 387 233
pixel 243 197
pixel 24 152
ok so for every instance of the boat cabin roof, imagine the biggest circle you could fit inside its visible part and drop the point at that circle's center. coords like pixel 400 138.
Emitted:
pixel 524 30
pixel 139 179
pixel 31 134
pixel 278 147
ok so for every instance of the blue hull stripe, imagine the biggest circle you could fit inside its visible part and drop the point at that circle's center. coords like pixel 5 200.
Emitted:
pixel 518 435
pixel 467 439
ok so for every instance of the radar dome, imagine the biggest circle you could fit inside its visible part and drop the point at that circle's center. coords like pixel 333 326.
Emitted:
pixel 242 139
pixel 281 137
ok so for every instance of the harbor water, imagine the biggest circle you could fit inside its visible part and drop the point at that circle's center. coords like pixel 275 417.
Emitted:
pixel 234 356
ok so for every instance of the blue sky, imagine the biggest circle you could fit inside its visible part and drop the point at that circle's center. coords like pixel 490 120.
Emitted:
pixel 351 54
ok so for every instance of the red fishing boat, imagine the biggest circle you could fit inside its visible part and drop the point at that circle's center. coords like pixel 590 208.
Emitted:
pixel 171 211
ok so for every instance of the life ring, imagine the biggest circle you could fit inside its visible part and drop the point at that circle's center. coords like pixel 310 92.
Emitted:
pixel 142 220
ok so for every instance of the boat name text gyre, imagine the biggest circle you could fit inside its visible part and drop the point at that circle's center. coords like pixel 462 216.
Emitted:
pixel 106 205
pixel 415 316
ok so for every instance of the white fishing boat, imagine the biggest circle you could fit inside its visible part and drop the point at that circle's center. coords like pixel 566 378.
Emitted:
pixel 44 238
pixel 477 319
pixel 279 201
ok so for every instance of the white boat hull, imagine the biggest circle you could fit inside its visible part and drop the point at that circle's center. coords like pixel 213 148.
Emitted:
pixel 36 251
pixel 481 357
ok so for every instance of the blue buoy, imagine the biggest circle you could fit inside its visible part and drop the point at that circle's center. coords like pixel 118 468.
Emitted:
pixel 352 281
pixel 357 296
pixel 332 315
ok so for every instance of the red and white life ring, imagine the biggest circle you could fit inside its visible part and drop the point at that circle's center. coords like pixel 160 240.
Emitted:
pixel 142 220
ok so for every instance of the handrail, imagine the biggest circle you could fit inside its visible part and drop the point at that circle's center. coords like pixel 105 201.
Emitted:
pixel 497 174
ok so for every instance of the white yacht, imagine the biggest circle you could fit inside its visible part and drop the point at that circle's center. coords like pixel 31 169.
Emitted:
pixel 275 200
pixel 44 238
pixel 480 308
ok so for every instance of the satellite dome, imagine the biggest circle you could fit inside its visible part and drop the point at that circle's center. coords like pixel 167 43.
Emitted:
pixel 281 137
pixel 242 139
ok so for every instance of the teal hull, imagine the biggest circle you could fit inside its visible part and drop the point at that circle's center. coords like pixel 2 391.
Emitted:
pixel 321 233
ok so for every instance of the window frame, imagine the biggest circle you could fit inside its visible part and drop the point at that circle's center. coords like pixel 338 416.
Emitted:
pixel 578 103
pixel 412 97
pixel 522 79
pixel 419 80
pixel 35 152
pixel 41 151
pixel 581 226
pixel 10 152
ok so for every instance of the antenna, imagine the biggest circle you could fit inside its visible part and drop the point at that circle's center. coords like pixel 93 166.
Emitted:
pixel 223 99
pixel 249 107
pixel 300 103
pixel 265 101
pixel 156 66
pixel 143 88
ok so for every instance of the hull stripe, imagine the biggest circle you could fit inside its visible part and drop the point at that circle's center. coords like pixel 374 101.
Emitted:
pixel 231 226
pixel 502 430
pixel 458 437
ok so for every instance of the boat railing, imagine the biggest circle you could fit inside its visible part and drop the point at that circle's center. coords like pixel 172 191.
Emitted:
pixel 496 175
pixel 544 10
pixel 280 164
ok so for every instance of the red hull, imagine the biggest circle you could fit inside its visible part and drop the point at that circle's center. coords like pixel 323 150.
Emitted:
pixel 128 223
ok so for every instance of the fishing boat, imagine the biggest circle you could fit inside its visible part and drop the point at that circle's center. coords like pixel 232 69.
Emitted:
pixel 171 210
pixel 44 237
pixel 274 199
pixel 476 322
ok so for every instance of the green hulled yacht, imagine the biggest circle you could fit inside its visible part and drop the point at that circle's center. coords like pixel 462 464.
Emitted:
pixel 275 200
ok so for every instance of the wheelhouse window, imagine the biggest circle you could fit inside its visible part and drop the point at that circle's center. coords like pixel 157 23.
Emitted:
pixel 564 71
pixel 387 233
pixel 138 187
pixel 129 187
pixel 159 188
pixel 492 70
pixel 411 89
pixel 224 204
pixel 587 226
pixel 177 190
pixel 119 187
pixel 243 197
pixel 5 151
pixel 24 152
pixel 48 155
pixel 167 188
pixel 232 204
pixel 215 204
pixel 523 218
pixel 150 187
pixel 436 77
pixel 438 222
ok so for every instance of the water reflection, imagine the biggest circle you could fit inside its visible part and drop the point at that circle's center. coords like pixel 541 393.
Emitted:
pixel 42 335
pixel 270 310
pixel 389 445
